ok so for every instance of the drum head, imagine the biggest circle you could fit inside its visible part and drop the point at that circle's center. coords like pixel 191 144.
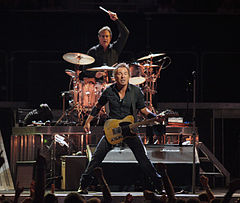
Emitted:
pixel 136 80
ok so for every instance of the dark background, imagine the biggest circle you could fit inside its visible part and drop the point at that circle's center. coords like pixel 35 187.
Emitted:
pixel 33 43
pixel 201 36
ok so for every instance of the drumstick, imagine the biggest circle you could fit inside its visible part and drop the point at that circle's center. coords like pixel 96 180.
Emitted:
pixel 103 9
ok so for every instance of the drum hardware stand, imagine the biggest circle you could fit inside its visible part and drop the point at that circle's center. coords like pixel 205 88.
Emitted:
pixel 65 112
pixel 53 177
pixel 76 103
pixel 152 78
pixel 150 87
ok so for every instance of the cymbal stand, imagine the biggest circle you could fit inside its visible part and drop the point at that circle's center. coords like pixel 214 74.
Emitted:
pixel 150 80
pixel 63 110
pixel 77 99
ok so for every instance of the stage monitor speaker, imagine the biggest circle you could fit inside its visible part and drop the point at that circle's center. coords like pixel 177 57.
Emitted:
pixel 121 168
pixel 24 173
pixel 156 153
pixel 72 169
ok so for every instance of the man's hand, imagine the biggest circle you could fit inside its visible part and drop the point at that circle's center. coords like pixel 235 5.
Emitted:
pixel 112 15
pixel 32 189
pixel 86 127
pixel 204 181
pixel 148 195
pixel 128 198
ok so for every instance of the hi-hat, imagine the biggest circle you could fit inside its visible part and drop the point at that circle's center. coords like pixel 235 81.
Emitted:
pixel 147 65
pixel 102 68
pixel 70 72
pixel 150 56
pixel 78 58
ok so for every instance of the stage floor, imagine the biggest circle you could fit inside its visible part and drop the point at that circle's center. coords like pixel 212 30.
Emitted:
pixel 119 196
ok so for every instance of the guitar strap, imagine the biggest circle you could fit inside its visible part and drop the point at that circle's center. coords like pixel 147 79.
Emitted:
pixel 132 93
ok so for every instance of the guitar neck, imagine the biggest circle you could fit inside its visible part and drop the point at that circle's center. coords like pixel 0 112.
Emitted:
pixel 145 122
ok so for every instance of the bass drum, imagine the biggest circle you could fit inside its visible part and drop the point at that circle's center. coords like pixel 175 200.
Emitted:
pixel 91 91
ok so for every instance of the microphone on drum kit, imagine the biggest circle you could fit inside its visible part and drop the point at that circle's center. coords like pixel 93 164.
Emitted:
pixel 163 60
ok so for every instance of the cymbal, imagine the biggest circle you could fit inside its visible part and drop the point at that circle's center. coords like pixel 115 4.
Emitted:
pixel 70 72
pixel 78 58
pixel 102 68
pixel 135 64
pixel 150 56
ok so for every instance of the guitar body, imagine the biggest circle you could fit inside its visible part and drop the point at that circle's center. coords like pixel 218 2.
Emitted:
pixel 115 129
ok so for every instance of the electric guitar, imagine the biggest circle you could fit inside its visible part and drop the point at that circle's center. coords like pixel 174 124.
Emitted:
pixel 116 130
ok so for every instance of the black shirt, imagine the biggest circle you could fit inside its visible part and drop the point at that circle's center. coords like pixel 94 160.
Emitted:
pixel 121 108
pixel 111 55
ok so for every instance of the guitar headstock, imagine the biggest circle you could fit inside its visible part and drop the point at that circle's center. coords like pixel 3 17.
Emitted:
pixel 168 113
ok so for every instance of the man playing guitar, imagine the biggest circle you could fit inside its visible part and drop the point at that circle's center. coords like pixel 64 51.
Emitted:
pixel 124 101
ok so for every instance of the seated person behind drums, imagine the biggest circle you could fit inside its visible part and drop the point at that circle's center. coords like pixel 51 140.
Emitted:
pixel 106 53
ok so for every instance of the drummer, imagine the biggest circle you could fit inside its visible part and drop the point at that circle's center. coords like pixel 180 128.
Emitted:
pixel 106 53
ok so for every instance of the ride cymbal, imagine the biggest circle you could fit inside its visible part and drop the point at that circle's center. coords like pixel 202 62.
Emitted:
pixel 78 58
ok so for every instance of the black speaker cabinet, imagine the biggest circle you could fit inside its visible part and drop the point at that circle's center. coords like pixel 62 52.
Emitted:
pixel 24 173
pixel 72 169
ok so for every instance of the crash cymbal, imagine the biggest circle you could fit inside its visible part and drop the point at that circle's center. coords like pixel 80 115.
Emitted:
pixel 102 68
pixel 150 56
pixel 70 72
pixel 78 58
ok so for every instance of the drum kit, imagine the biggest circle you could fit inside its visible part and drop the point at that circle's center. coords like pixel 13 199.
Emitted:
pixel 85 93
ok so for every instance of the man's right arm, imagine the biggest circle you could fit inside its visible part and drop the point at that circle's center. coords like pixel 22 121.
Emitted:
pixel 122 37
pixel 91 116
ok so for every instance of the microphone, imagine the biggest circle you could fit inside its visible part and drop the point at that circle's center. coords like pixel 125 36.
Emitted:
pixel 194 74
pixel 164 58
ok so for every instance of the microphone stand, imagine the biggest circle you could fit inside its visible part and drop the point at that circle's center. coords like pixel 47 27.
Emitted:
pixel 194 131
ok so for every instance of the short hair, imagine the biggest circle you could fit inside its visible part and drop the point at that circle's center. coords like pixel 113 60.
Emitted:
pixel 121 65
pixel 93 200
pixel 193 200
pixel 203 197
pixel 74 197
pixel 105 28
pixel 50 198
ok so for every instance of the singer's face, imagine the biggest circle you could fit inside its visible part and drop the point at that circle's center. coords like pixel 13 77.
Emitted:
pixel 104 38
pixel 122 76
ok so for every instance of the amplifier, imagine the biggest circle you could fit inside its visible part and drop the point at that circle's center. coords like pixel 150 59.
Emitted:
pixel 72 168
